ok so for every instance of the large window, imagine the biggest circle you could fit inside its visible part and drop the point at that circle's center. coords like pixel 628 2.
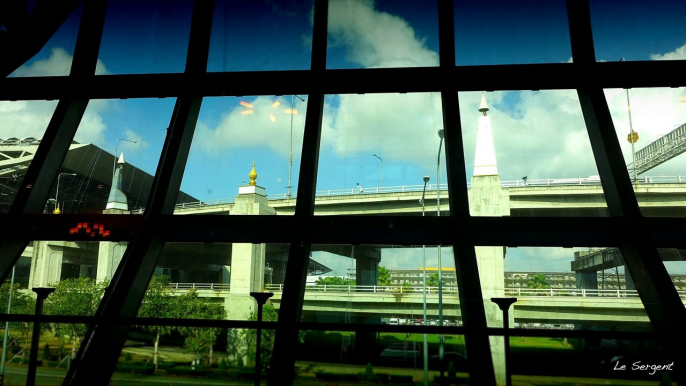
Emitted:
pixel 383 170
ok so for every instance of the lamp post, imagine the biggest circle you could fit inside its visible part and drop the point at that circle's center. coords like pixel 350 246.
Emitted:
pixel 631 131
pixel 440 268
pixel 290 156
pixel 261 298
pixel 41 295
pixel 381 169
pixel 7 333
pixel 504 304
pixel 426 343
pixel 57 193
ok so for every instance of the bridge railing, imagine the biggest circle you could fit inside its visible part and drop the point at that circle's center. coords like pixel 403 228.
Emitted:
pixel 516 292
pixel 444 187
pixel 203 286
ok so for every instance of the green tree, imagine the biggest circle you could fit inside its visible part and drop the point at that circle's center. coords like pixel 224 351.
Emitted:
pixel 22 303
pixel 538 282
pixel 432 280
pixel 73 297
pixel 158 302
pixel 248 337
pixel 269 314
pixel 334 280
pixel 198 339
pixel 383 276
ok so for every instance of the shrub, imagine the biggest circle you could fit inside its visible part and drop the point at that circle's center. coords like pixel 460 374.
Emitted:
pixel 185 370
pixel 401 379
pixel 46 352
pixel 222 364
pixel 127 357
pixel 368 371
pixel 135 369
pixel 452 373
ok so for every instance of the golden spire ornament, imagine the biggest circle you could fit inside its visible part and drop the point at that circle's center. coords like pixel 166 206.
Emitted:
pixel 253 175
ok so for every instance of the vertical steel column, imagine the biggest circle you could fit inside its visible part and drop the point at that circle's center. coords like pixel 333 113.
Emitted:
pixel 290 311
pixel 659 296
pixel 102 344
pixel 478 346
pixel 46 163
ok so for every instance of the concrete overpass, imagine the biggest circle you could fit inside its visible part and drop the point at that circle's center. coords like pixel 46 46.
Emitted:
pixel 549 306
pixel 663 196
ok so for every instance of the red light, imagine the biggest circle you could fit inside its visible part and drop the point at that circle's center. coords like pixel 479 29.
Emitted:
pixel 92 234
pixel 79 226
pixel 107 234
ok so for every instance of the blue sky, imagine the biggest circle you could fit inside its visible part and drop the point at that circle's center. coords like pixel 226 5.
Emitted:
pixel 537 134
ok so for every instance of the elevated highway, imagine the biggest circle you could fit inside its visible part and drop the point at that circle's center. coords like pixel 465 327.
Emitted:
pixel 658 196
pixel 552 306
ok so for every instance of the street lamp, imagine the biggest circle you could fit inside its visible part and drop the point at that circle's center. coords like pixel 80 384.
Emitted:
pixel 57 193
pixel 381 169
pixel 632 136
pixel 426 343
pixel 290 157
pixel 440 269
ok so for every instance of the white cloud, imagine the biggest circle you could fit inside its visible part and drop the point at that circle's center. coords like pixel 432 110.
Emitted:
pixel 678 54
pixel 57 64
pixel 30 118
pixel 235 130
pixel 377 39
pixel 536 134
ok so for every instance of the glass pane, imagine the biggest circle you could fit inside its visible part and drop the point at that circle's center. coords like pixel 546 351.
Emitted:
pixel 92 179
pixel 148 37
pixel 22 125
pixel 234 135
pixel 533 147
pixel 594 360
pixel 393 358
pixel 658 120
pixel 636 30
pixel 501 32
pixel 168 355
pixel 54 58
pixel 568 288
pixel 365 34
pixel 675 263
pixel 260 36
pixel 376 152
pixel 214 280
pixel 54 355
pixel 380 284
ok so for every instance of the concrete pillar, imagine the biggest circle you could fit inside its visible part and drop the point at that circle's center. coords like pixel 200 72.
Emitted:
pixel 488 198
pixel 628 280
pixel 246 272
pixel 586 280
pixel 110 253
pixel 109 257
pixel 366 264
pixel 46 267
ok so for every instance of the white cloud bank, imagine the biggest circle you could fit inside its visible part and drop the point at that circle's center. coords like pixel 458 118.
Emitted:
pixel 23 119
pixel 536 134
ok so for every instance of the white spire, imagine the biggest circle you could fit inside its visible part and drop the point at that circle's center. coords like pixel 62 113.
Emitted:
pixel 484 160
pixel 483 106
pixel 121 158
